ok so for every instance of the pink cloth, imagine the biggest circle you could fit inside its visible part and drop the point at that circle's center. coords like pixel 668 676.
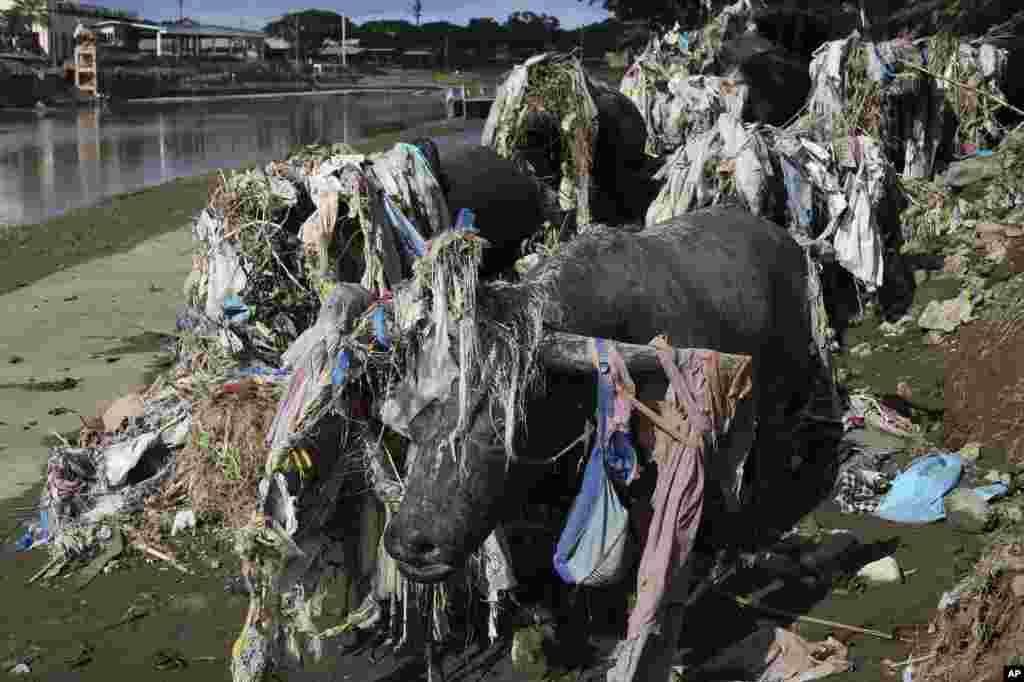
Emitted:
pixel 678 499
pixel 623 383
pixel 60 487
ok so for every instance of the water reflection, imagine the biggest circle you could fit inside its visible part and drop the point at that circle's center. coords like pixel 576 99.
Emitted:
pixel 70 159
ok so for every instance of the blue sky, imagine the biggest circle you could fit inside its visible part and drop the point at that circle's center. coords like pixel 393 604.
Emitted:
pixel 571 13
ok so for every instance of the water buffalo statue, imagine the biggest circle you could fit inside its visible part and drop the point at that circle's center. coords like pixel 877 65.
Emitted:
pixel 507 203
pixel 621 172
pixel 719 278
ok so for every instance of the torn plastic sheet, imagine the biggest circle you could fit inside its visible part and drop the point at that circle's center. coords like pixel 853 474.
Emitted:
pixel 409 240
pixel 508 115
pixel 121 458
pixel 406 176
pixel 225 275
pixel 733 159
pixel 858 237
pixel 913 103
pixel 671 83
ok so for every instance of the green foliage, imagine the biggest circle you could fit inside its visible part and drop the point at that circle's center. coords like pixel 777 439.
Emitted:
pixel 312 27
pixel 24 14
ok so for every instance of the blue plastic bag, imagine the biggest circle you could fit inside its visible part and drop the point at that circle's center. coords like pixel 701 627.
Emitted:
pixel 466 220
pixel 379 330
pixel 799 200
pixel 592 549
pixel 991 492
pixel 410 241
pixel 916 494
pixel 235 310
pixel 340 371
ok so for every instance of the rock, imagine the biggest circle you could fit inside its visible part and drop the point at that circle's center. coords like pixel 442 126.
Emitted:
pixel 891 328
pixel 971 452
pixel 946 316
pixel 861 350
pixel 183 520
pixel 126 407
pixel 933 339
pixel 1018 586
pixel 885 570
pixel 1014 231
pixel 21 669
pixel 966 511
pixel 530 648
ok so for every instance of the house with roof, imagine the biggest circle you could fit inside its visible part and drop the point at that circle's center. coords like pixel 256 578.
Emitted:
pixel 190 38
pixel 57 40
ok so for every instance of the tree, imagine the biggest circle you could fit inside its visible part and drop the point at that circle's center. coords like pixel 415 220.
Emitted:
pixel 659 13
pixel 22 15
pixel 392 26
pixel 531 32
pixel 309 28
pixel 416 9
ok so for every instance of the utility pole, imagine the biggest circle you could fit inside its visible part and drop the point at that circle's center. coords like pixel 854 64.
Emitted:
pixel 181 10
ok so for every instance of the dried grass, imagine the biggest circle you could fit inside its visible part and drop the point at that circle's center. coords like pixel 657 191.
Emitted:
pixel 975 638
pixel 219 469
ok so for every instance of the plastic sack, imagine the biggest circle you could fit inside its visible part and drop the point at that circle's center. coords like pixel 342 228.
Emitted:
pixel 916 495
pixel 593 549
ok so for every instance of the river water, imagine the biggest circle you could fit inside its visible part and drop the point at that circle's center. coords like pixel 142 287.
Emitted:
pixel 77 158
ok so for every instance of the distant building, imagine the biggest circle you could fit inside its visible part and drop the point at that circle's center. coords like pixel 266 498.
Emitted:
pixel 57 40
pixel 381 56
pixel 129 35
pixel 191 38
pixel 332 49
pixel 419 58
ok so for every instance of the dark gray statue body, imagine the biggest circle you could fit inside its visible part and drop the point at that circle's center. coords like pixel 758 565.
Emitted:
pixel 507 203
pixel 720 278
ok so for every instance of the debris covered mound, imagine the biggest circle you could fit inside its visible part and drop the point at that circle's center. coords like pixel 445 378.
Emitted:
pixel 272 241
pixel 978 628
pixel 578 136
pixel 983 386
pixel 684 80
pixel 853 173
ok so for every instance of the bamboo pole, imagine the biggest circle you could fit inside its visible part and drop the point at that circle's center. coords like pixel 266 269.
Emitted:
pixel 808 619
